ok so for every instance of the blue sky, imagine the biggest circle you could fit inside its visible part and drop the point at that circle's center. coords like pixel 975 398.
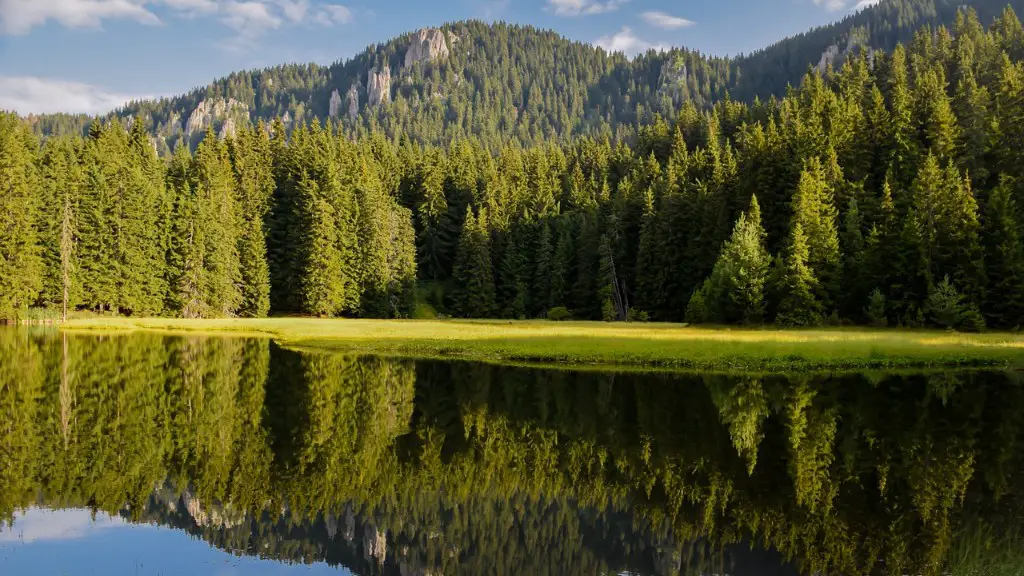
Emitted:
pixel 91 55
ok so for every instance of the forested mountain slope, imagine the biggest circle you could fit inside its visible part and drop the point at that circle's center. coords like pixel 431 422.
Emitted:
pixel 881 27
pixel 501 82
pixel 887 191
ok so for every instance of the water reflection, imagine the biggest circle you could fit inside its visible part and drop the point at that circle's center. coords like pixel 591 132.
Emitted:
pixel 392 466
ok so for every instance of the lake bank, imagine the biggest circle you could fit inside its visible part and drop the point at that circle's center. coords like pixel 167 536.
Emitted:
pixel 651 345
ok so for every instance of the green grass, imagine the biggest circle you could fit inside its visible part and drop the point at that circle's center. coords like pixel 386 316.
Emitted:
pixel 980 550
pixel 650 345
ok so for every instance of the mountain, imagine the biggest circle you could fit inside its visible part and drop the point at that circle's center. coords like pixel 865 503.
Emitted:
pixel 880 27
pixel 501 82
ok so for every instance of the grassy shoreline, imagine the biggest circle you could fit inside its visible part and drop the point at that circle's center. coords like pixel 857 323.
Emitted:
pixel 673 346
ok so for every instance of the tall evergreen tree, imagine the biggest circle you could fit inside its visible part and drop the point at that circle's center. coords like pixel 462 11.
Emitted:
pixel 21 273
pixel 474 280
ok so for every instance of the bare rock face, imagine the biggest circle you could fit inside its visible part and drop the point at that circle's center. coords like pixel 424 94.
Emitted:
pixel 216 110
pixel 335 105
pixel 214 516
pixel 378 86
pixel 673 79
pixel 834 55
pixel 828 58
pixel 375 544
pixel 227 129
pixel 427 44
pixel 353 102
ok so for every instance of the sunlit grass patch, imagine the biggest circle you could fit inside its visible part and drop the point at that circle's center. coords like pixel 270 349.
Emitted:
pixel 667 345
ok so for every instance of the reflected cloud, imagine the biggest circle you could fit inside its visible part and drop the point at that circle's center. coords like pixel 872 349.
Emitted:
pixel 43 525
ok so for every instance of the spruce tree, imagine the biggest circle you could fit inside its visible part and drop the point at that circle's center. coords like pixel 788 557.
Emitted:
pixel 797 306
pixel 543 271
pixel 1004 260
pixel 214 187
pixel 21 273
pixel 735 291
pixel 251 161
pixel 474 280
pixel 814 211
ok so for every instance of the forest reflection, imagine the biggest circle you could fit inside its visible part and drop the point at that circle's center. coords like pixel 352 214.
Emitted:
pixel 425 467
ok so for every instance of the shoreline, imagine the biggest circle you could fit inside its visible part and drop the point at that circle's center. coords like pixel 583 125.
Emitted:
pixel 608 345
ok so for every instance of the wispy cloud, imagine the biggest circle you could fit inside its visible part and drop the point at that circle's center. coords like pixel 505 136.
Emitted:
pixel 666 21
pixel 865 4
pixel 32 95
pixel 294 10
pixel 584 7
pixel 21 16
pixel 249 19
pixel 331 14
pixel 628 43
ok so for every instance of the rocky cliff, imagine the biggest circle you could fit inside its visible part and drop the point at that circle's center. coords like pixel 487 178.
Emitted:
pixel 378 86
pixel 427 44
pixel 214 111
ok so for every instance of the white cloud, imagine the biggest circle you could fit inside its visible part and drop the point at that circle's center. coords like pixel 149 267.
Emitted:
pixel 831 5
pixel 864 4
pixel 331 14
pixel 192 7
pixel 294 10
pixel 628 43
pixel 248 18
pixel 31 95
pixel 666 21
pixel 42 525
pixel 584 7
pixel 20 16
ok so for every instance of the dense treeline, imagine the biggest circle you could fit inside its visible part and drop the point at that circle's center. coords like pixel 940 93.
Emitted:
pixel 488 469
pixel 886 192
pixel 505 83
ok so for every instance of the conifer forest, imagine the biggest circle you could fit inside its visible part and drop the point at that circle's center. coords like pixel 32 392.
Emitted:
pixel 887 189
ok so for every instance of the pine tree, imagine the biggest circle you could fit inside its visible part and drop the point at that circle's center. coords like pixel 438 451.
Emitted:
pixel 814 211
pixel 474 280
pixel 798 306
pixel 214 187
pixel 142 288
pixel 1004 260
pixel 98 219
pixel 543 271
pixel 433 226
pixel 735 291
pixel 20 259
pixel 62 181
pixel 251 161
pixel 323 293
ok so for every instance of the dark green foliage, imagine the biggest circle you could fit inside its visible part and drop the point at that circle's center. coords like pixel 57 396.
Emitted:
pixel 797 306
pixel 21 265
pixel 474 279
pixel 735 291
pixel 947 308
pixel 873 181
pixel 559 313
pixel 875 312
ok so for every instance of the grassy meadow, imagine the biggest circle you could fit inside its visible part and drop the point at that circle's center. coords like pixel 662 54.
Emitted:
pixel 597 343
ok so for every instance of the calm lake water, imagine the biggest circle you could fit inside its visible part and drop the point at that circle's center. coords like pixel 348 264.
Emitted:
pixel 150 454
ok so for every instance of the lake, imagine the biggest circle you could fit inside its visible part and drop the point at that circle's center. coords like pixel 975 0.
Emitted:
pixel 151 454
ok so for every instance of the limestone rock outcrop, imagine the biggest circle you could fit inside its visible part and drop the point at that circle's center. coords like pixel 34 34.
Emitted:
pixel 335 105
pixel 375 544
pixel 378 86
pixel 428 44
pixel 227 129
pixel 209 112
pixel 353 102
pixel 834 54
pixel 216 516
